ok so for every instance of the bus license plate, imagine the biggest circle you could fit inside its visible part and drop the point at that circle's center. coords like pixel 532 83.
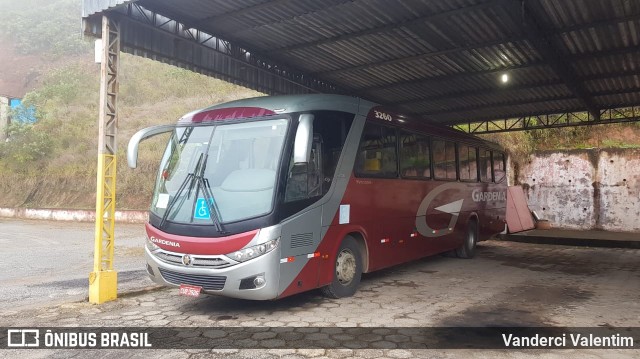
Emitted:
pixel 190 290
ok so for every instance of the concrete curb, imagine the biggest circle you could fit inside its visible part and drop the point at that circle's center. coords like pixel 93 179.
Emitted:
pixel 77 215
pixel 572 241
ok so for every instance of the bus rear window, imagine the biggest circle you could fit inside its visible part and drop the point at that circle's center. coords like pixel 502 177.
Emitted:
pixel 498 166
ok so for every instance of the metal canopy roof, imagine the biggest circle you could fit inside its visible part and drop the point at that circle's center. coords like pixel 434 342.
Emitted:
pixel 439 59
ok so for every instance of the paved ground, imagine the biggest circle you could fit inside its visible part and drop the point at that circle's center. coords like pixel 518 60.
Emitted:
pixel 508 284
pixel 49 262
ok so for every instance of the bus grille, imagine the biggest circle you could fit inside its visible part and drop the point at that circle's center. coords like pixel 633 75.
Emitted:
pixel 202 262
pixel 207 282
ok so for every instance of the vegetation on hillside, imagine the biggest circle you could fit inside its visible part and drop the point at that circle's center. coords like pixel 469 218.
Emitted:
pixel 52 163
pixel 49 27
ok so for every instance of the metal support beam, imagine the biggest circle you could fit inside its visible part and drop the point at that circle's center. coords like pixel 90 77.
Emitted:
pixel 501 89
pixel 595 24
pixel 578 58
pixel 478 92
pixel 239 12
pixel 518 102
pixel 103 281
pixel 237 15
pixel 154 36
pixel 520 13
pixel 433 81
pixel 567 119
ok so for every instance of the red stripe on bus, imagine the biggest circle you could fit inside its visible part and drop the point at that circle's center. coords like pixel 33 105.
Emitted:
pixel 200 245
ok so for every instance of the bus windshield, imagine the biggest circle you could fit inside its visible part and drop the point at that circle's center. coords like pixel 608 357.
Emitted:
pixel 219 173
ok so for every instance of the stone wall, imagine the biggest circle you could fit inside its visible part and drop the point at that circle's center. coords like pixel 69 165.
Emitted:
pixel 585 189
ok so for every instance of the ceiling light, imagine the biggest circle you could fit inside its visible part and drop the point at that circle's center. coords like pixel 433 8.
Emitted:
pixel 504 78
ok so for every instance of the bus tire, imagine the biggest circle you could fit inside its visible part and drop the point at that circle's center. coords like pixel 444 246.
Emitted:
pixel 347 271
pixel 468 248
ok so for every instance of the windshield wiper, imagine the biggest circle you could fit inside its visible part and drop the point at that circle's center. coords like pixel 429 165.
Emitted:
pixel 196 170
pixel 197 178
pixel 189 177
pixel 203 183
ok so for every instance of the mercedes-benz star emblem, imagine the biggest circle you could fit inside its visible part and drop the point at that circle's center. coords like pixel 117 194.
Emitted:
pixel 186 259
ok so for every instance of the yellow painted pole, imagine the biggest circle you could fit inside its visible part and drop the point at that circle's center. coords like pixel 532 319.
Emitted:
pixel 103 281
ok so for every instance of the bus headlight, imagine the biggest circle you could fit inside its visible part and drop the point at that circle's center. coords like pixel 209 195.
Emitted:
pixel 255 251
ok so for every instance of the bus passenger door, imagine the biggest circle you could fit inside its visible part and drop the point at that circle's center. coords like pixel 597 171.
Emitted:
pixel 299 265
pixel 301 234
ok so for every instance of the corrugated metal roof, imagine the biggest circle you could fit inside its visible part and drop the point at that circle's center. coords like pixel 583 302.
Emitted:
pixel 438 58
pixel 92 7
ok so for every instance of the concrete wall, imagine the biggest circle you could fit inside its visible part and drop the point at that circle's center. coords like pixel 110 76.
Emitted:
pixel 585 189
pixel 76 215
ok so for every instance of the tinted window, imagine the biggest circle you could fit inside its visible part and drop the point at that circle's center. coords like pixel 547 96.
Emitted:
pixel 485 165
pixel 468 163
pixel 444 159
pixel 377 153
pixel 330 129
pixel 415 161
pixel 498 166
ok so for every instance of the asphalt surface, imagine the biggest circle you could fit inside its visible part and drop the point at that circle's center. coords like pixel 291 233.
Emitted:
pixel 507 284
pixel 47 262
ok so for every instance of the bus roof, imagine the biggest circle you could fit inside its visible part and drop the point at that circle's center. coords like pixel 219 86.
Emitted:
pixel 298 103
pixel 315 102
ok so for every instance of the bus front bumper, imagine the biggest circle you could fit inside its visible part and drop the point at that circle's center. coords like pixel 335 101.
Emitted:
pixel 236 281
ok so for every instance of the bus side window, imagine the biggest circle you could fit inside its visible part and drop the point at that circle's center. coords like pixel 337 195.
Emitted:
pixel 305 179
pixel 468 163
pixel 377 153
pixel 330 130
pixel 332 127
pixel 444 159
pixel 485 165
pixel 498 166
pixel 415 161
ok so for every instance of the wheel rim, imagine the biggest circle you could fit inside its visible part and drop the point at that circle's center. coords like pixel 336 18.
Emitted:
pixel 345 267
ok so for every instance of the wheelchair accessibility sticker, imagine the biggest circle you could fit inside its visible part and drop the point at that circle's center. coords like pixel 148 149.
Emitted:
pixel 202 210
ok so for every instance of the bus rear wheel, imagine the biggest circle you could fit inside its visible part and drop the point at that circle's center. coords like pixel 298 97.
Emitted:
pixel 347 271
pixel 468 248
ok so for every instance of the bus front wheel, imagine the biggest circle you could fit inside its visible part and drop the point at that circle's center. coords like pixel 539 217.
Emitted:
pixel 468 248
pixel 347 271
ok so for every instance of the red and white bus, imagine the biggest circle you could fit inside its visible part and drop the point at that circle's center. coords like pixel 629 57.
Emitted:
pixel 267 197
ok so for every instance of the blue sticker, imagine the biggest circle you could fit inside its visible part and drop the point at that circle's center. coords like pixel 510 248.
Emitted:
pixel 202 210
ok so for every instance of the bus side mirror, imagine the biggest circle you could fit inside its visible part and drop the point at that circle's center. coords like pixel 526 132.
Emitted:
pixel 132 148
pixel 304 139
